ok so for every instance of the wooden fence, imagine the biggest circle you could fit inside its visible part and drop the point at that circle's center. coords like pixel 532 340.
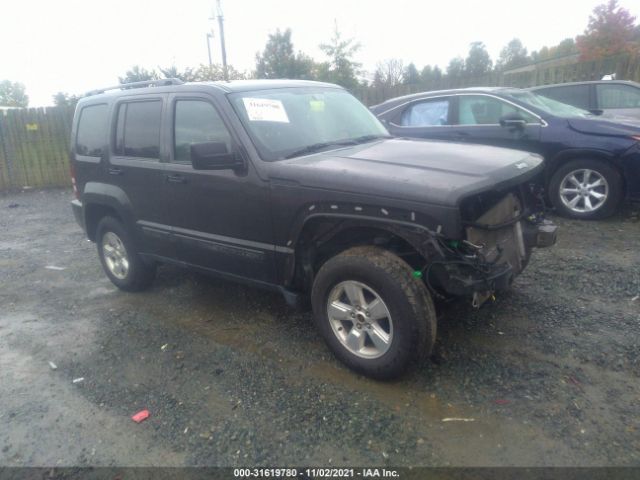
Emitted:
pixel 34 147
pixel 34 142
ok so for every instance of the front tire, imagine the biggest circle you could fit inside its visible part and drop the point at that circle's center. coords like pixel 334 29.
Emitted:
pixel 119 258
pixel 375 316
pixel 586 189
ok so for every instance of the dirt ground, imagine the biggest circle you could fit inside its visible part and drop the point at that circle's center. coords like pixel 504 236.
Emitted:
pixel 549 373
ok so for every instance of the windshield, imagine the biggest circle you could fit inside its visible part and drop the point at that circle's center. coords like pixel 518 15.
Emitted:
pixel 288 122
pixel 548 105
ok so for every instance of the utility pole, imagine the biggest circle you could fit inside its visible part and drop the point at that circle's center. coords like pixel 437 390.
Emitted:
pixel 222 46
pixel 209 37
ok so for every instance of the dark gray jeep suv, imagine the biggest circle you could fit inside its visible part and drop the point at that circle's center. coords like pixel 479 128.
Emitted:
pixel 296 186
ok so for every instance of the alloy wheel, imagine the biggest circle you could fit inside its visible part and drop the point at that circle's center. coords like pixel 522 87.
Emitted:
pixel 360 319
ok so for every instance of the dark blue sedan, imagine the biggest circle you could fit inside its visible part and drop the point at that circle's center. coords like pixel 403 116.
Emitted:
pixel 592 163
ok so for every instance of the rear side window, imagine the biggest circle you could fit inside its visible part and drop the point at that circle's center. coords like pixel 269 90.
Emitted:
pixel 138 129
pixel 576 95
pixel 92 131
pixel 427 113
pixel 197 121
pixel 618 96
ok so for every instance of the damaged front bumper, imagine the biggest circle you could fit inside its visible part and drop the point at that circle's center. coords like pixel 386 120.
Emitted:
pixel 496 249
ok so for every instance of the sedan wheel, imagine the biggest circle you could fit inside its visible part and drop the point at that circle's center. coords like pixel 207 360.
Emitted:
pixel 584 190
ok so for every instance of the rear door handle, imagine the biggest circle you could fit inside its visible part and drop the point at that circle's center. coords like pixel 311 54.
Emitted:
pixel 115 171
pixel 174 178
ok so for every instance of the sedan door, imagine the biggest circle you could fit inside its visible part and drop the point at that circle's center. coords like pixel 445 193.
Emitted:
pixel 490 120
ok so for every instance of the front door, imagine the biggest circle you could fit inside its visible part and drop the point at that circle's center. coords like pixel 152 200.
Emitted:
pixel 221 218
pixel 480 119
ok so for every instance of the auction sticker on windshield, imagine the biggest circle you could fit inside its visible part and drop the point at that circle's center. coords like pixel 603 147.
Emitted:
pixel 265 110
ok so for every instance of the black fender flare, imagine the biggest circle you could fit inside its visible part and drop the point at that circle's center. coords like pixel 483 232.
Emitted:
pixel 416 235
pixel 111 196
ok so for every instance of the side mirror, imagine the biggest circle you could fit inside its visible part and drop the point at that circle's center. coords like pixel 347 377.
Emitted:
pixel 512 120
pixel 214 156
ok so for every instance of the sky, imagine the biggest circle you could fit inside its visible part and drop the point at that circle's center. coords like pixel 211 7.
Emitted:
pixel 79 45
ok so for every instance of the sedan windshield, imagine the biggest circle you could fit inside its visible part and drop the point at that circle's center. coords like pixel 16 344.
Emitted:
pixel 289 122
pixel 548 105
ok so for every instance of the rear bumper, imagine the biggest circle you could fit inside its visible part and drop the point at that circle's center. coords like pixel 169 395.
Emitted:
pixel 78 213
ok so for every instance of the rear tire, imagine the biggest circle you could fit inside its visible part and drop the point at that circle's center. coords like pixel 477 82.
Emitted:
pixel 375 316
pixel 120 261
pixel 586 189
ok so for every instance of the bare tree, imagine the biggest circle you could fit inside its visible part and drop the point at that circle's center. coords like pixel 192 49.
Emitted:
pixel 389 72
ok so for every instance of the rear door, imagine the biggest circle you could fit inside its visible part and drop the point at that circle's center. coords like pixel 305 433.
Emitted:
pixel 221 218
pixel 479 119
pixel 135 167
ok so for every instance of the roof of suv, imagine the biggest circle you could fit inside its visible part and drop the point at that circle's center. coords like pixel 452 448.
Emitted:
pixel 172 85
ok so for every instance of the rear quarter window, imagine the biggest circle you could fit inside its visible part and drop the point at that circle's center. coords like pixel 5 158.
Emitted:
pixel 92 131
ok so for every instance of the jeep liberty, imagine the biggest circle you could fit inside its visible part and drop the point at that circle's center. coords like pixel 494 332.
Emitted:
pixel 295 186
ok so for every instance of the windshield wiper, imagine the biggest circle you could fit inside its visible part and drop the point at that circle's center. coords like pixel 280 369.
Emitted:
pixel 369 138
pixel 316 147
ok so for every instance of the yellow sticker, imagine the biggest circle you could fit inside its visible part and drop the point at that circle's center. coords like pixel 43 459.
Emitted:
pixel 316 105
pixel 31 127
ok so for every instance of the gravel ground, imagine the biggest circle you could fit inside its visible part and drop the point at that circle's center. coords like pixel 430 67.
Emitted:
pixel 549 373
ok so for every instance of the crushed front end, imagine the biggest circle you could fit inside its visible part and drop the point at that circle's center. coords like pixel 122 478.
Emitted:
pixel 500 229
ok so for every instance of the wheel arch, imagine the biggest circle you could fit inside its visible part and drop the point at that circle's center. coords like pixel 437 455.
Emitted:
pixel 100 200
pixel 324 236
pixel 565 156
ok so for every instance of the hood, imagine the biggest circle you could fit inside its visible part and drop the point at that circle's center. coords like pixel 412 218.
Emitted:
pixel 612 126
pixel 434 172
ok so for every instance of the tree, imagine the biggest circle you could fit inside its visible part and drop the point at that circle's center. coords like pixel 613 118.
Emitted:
pixel 215 73
pixel 138 74
pixel 64 99
pixel 389 73
pixel 513 55
pixel 278 60
pixel 610 31
pixel 342 68
pixel 478 61
pixel 173 72
pixel 455 67
pixel 12 94
pixel 564 48
pixel 411 76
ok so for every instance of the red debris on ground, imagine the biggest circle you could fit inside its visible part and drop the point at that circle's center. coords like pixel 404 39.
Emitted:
pixel 141 416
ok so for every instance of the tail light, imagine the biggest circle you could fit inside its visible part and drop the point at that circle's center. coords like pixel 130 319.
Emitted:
pixel 72 171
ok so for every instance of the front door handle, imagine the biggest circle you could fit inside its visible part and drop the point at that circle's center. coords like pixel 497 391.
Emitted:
pixel 115 171
pixel 175 178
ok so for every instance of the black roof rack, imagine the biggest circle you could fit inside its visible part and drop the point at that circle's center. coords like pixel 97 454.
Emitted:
pixel 146 83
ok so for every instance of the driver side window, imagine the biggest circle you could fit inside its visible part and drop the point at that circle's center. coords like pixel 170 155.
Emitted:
pixel 485 110
pixel 197 121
